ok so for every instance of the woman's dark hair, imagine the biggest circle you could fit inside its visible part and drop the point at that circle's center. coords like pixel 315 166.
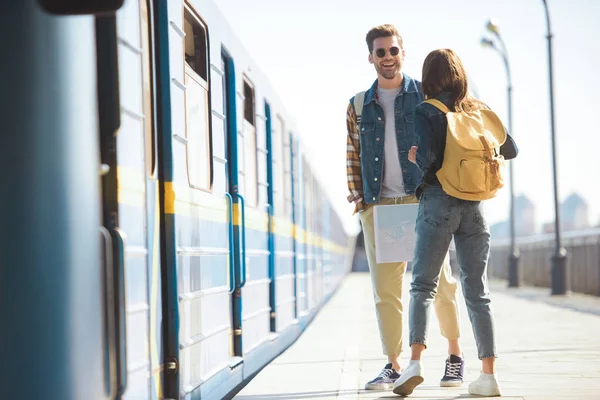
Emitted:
pixel 444 72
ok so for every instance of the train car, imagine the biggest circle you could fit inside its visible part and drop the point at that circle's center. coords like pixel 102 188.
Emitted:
pixel 169 232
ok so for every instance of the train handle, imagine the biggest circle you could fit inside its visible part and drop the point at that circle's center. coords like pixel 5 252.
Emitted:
pixel 243 271
pixel 110 366
pixel 121 328
pixel 231 250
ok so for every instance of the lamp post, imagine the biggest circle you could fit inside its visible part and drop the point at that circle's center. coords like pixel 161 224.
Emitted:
pixel 558 261
pixel 513 257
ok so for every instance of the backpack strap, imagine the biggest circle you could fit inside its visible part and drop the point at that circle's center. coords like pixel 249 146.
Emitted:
pixel 492 159
pixel 438 104
pixel 486 146
pixel 359 99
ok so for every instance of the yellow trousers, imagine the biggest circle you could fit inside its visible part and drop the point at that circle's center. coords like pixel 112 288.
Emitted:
pixel 387 280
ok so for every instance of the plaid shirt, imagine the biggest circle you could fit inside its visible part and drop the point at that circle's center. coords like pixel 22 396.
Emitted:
pixel 353 167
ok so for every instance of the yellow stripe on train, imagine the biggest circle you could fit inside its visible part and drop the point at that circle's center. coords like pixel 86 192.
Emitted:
pixel 189 202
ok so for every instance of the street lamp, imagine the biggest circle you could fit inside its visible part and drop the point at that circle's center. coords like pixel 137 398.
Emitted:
pixel 558 261
pixel 513 257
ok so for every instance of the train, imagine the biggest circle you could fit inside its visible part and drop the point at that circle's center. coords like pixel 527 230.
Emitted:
pixel 164 235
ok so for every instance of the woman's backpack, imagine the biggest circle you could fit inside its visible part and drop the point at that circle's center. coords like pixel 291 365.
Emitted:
pixel 473 168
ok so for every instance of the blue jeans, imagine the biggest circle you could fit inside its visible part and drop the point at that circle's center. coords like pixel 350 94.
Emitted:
pixel 440 217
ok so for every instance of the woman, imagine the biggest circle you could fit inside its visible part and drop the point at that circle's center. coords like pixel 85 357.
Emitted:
pixel 442 217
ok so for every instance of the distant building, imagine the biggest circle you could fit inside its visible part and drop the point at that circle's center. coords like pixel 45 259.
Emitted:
pixel 524 220
pixel 573 215
pixel 500 230
pixel 524 216
pixel 548 227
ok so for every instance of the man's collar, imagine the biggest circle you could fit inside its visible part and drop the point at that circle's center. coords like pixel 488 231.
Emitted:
pixel 408 86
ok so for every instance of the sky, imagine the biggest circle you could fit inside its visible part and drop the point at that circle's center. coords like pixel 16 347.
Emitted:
pixel 315 55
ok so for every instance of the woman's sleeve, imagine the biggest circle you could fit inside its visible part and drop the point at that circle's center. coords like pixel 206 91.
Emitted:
pixel 509 149
pixel 424 132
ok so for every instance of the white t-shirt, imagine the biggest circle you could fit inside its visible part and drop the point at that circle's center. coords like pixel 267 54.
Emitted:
pixel 393 182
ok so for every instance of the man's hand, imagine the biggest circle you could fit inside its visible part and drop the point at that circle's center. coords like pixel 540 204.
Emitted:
pixel 412 154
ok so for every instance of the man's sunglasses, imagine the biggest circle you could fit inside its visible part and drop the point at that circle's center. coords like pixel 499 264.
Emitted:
pixel 394 51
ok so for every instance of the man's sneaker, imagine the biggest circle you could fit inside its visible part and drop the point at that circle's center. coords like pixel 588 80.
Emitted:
pixel 411 377
pixel 485 385
pixel 453 375
pixel 385 380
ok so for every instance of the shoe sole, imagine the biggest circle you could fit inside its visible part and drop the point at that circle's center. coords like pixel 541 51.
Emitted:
pixel 409 386
pixel 378 387
pixel 450 384
pixel 486 394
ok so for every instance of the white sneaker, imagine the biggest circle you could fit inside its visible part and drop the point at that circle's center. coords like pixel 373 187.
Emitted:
pixel 485 385
pixel 411 377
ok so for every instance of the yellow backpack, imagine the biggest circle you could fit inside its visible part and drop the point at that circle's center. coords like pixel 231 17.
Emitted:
pixel 473 168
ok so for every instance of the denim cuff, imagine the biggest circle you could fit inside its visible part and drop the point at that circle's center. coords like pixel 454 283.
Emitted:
pixel 488 355
pixel 418 341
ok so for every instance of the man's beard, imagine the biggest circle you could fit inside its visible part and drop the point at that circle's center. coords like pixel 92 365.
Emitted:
pixel 388 74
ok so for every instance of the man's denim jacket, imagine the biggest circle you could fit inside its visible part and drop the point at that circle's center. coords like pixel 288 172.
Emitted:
pixel 372 139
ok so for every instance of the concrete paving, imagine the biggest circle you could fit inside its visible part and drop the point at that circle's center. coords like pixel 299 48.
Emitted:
pixel 549 348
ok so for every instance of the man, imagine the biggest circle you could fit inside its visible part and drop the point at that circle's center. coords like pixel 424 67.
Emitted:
pixel 380 136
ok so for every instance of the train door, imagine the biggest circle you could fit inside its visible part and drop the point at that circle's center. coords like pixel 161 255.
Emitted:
pixel 129 206
pixel 111 237
pixel 290 210
pixel 282 272
pixel 153 221
pixel 248 184
pixel 51 275
pixel 236 269
pixel 272 160
pixel 295 202
pixel 286 277
pixel 301 247
pixel 197 208
pixel 252 193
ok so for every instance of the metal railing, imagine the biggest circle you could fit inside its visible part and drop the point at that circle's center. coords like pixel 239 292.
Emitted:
pixel 583 268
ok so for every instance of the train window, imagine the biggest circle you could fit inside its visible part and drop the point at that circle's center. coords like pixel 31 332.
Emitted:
pixel 278 165
pixel 308 191
pixel 78 7
pixel 148 92
pixel 248 103
pixel 249 145
pixel 197 131
pixel 196 55
pixel 287 174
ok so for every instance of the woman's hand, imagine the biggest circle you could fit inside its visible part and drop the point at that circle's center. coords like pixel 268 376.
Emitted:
pixel 412 154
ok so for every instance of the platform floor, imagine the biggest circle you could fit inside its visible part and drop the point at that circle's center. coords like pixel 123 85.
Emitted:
pixel 549 348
